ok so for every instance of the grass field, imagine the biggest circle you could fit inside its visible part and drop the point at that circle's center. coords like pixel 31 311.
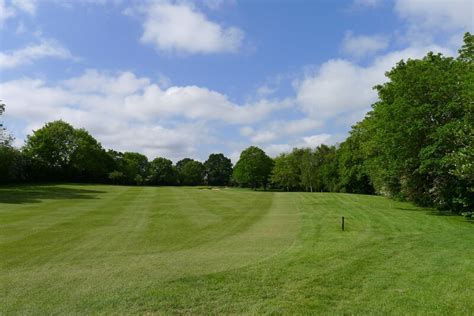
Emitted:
pixel 115 249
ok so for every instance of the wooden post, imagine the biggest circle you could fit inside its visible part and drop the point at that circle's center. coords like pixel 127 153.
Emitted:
pixel 343 223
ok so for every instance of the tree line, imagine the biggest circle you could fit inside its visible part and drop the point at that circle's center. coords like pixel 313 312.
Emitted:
pixel 416 144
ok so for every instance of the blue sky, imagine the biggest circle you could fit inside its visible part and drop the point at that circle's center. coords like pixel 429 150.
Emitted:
pixel 187 78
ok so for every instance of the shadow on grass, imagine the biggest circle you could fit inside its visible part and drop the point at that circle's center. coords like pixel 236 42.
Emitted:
pixel 434 212
pixel 34 194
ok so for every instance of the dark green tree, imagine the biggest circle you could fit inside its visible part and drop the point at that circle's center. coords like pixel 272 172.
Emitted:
pixel 253 168
pixel 285 173
pixel 423 119
pixel 5 138
pixel 191 172
pixel 58 151
pixel 352 174
pixel 135 167
pixel 218 169
pixel 162 172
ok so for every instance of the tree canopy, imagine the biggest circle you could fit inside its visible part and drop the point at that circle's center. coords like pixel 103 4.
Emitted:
pixel 253 168
pixel 218 169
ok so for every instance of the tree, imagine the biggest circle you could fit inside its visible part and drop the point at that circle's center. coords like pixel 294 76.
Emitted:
pixel 422 121
pixel 51 148
pixel 352 174
pixel 285 172
pixel 5 138
pixel 58 151
pixel 191 172
pixel 135 167
pixel 218 169
pixel 307 165
pixel 12 165
pixel 11 159
pixel 89 161
pixel 253 168
pixel 162 172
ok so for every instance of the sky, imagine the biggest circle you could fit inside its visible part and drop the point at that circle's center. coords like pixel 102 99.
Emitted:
pixel 188 78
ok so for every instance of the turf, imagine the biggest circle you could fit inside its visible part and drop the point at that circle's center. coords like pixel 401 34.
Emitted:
pixel 79 249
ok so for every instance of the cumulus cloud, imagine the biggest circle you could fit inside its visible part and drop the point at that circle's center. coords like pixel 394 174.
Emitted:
pixel 47 48
pixel 360 46
pixel 126 112
pixel 28 6
pixel 437 14
pixel 8 11
pixel 182 28
pixel 316 140
pixel 342 88
pixel 277 129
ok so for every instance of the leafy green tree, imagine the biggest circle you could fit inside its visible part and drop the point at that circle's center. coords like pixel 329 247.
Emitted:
pixel 162 172
pixel 58 151
pixel 191 172
pixel 89 161
pixel 424 107
pixel 52 145
pixel 117 177
pixel 11 159
pixel 135 167
pixel 325 168
pixel 352 174
pixel 307 166
pixel 12 165
pixel 5 138
pixel 285 173
pixel 253 168
pixel 218 169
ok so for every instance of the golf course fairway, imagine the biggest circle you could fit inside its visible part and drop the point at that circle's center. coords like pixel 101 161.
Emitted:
pixel 98 249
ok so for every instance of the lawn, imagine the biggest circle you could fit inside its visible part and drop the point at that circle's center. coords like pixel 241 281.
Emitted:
pixel 114 249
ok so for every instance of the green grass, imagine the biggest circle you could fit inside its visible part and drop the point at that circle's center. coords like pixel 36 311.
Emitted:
pixel 113 249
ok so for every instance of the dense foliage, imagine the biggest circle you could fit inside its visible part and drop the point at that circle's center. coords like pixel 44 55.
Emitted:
pixel 253 168
pixel 416 144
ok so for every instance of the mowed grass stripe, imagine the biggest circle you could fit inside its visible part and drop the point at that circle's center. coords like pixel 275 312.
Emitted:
pixel 191 250
pixel 74 219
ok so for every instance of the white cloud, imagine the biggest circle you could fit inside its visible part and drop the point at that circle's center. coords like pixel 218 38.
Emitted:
pixel 278 129
pixel 316 140
pixel 181 28
pixel 6 12
pixel 28 6
pixel 437 14
pixel 342 88
pixel 10 11
pixel 93 81
pixel 126 112
pixel 274 150
pixel 194 102
pixel 47 48
pixel 363 45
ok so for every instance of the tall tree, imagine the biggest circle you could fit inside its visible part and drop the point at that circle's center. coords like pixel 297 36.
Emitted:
pixel 58 151
pixel 253 168
pixel 285 173
pixel 218 169
pixel 307 166
pixel 89 161
pixel 423 108
pixel 191 172
pixel 51 148
pixel 162 172
pixel 136 167
pixel 5 138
